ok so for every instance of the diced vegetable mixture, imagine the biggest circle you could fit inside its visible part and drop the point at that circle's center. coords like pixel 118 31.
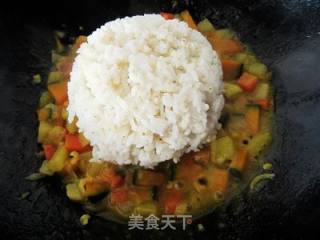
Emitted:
pixel 201 180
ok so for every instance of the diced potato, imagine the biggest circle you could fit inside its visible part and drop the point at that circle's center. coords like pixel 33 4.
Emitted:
pixel 73 192
pixel 44 129
pixel 58 159
pixel 258 142
pixel 94 168
pixel 55 135
pixel 231 90
pixel 205 26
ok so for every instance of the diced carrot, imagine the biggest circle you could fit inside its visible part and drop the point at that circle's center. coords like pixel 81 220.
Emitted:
pixel 149 178
pixel 248 82
pixel 167 16
pixel 218 180
pixel 110 177
pixel 72 142
pixel 202 156
pixel 59 91
pixel 263 103
pixel 240 161
pixel 49 150
pixel 225 46
pixel 119 195
pixel 253 119
pixel 81 39
pixel 187 169
pixel 185 15
pixel 133 194
pixel 170 199
pixel 231 69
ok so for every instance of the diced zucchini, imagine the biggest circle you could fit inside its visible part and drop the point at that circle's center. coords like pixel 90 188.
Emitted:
pixel 58 159
pixel 258 142
pixel 55 77
pixel 205 26
pixel 262 91
pixel 224 150
pixel 73 192
pixel 146 209
pixel 44 129
pixel 44 168
pixel 240 57
pixel 258 69
pixel 84 219
pixel 36 79
pixel 225 33
pixel 45 99
pixel 231 90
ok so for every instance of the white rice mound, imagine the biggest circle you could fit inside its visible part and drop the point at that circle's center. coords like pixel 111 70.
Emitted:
pixel 146 90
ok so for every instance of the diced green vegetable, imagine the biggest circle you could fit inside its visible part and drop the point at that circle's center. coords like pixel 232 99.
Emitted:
pixel 35 176
pixel 84 219
pixel 146 209
pixel 45 99
pixel 262 91
pixel 57 162
pixel 258 142
pixel 44 129
pixel 231 90
pixel 55 77
pixel 44 168
pixel 205 26
pixel 36 79
pixel 258 69
pixel 73 192
pixel 224 150
pixel 225 33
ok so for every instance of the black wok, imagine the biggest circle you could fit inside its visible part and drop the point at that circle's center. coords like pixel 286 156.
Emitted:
pixel 285 35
